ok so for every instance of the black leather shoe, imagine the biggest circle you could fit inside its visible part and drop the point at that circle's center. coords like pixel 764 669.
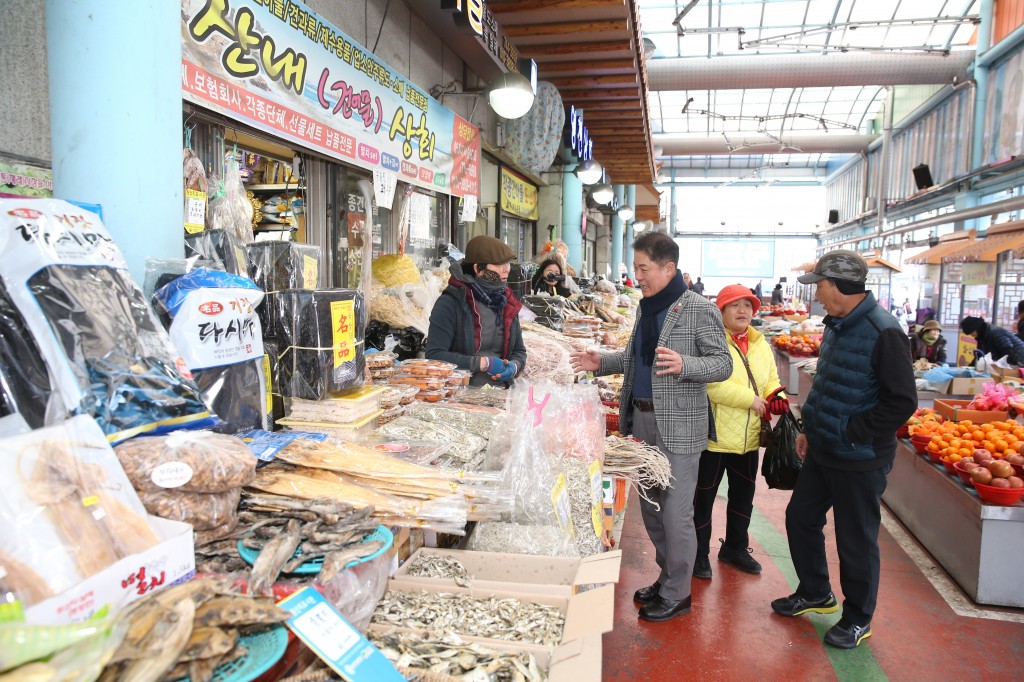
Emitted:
pixel 795 604
pixel 664 609
pixel 645 595
pixel 702 568
pixel 740 558
pixel 845 635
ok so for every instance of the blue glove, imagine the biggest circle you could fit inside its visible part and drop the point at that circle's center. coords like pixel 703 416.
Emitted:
pixel 508 373
pixel 493 365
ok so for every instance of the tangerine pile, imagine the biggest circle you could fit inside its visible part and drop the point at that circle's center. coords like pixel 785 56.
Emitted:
pixel 956 440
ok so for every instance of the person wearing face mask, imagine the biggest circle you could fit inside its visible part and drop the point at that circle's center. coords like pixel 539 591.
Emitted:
pixel 740 404
pixel 475 321
pixel 929 344
pixel 550 280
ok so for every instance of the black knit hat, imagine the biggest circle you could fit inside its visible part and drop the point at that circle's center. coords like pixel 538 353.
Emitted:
pixel 972 324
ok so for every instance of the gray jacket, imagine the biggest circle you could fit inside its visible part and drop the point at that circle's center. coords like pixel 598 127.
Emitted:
pixel 693 328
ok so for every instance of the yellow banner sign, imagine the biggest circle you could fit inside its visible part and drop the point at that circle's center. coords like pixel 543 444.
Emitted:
pixel 518 196
pixel 978 273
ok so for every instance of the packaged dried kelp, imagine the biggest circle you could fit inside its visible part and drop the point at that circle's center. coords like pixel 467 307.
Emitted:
pixel 276 266
pixel 215 324
pixel 321 349
pixel 217 250
pixel 24 380
pixel 107 354
pixel 272 373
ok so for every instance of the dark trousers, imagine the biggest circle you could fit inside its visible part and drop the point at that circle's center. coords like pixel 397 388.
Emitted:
pixel 855 498
pixel 742 482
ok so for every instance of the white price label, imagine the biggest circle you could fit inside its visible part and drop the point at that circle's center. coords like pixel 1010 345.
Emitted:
pixel 195 211
pixel 384 184
pixel 468 212
pixel 171 475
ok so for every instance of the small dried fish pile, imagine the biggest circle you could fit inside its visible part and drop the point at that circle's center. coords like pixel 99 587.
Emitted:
pixel 188 630
pixel 581 504
pixel 445 514
pixel 520 538
pixel 575 345
pixel 289 533
pixel 438 566
pixel 494 398
pixel 643 465
pixel 452 656
pixel 478 423
pixel 508 619
pixel 465 445
pixel 549 359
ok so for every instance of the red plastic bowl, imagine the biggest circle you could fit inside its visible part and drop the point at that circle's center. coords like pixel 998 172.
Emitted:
pixel 903 431
pixel 921 444
pixel 948 465
pixel 1006 497
pixel 965 476
pixel 935 456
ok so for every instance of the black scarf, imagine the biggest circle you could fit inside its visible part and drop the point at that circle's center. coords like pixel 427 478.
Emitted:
pixel 650 308
pixel 492 294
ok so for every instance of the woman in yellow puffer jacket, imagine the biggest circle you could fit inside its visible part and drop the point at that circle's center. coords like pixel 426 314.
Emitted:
pixel 739 409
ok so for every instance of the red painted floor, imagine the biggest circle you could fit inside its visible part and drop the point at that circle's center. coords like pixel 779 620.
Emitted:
pixel 732 633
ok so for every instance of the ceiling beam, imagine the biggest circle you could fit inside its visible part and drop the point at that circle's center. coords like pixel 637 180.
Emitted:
pixel 809 143
pixel 500 8
pixel 603 65
pixel 617 46
pixel 593 81
pixel 619 93
pixel 607 105
pixel 565 28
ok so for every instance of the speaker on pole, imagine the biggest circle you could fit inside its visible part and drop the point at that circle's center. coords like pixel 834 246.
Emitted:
pixel 923 176
pixel 833 216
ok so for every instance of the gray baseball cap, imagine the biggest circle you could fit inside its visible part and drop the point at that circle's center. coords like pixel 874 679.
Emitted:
pixel 842 264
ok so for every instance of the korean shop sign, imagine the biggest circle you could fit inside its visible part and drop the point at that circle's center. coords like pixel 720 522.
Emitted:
pixel 579 136
pixel 475 16
pixel 276 65
pixel 518 196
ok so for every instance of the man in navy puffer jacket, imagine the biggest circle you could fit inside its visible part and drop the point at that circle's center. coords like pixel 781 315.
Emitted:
pixel 862 392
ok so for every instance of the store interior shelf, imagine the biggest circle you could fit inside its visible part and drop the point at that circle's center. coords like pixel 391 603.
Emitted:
pixel 278 187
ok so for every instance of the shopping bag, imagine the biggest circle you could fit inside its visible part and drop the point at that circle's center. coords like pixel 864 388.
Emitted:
pixel 781 465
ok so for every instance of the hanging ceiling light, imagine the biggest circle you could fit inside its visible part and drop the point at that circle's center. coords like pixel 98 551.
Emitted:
pixel 589 172
pixel 510 95
pixel 639 226
pixel 626 212
pixel 602 193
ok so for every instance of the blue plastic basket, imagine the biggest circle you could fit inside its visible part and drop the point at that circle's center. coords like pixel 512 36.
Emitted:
pixel 265 648
pixel 312 567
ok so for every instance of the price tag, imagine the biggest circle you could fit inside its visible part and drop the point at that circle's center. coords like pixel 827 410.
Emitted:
pixel 468 212
pixel 560 501
pixel 347 652
pixel 310 272
pixel 384 184
pixel 195 211
pixel 343 325
pixel 596 512
pixel 269 379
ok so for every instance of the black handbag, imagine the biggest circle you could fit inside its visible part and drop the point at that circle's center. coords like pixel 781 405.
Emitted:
pixel 766 426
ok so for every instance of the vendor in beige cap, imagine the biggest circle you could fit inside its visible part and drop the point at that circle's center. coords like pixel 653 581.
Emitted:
pixel 475 322
pixel 929 343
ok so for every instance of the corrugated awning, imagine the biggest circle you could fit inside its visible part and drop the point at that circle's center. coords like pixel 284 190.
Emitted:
pixel 987 250
pixel 876 262
pixel 933 256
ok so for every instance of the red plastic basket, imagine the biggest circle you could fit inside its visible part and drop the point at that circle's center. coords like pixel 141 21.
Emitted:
pixel 611 419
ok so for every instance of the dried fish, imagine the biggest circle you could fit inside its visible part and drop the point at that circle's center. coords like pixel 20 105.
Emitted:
pixel 451 655
pixel 173 631
pixel 494 618
pixel 582 500
pixel 272 558
pixel 209 643
pixel 521 538
pixel 643 465
pixel 336 561
pixel 438 566
pixel 239 610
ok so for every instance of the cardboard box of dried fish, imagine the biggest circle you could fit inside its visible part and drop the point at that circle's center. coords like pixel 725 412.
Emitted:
pixel 72 525
pixel 536 622
pixel 561 576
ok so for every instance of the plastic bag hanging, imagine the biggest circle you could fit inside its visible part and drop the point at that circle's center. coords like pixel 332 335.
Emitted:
pixel 781 465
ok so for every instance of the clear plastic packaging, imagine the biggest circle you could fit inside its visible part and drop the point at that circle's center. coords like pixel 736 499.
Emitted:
pixel 276 266
pixel 479 424
pixel 353 432
pixel 189 461
pixel 321 342
pixel 24 380
pixel 217 250
pixel 107 353
pixel 347 406
pixel 356 591
pixel 232 210
pixel 205 511
pixel 67 510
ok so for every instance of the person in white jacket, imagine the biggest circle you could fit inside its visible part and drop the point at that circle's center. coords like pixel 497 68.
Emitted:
pixel 739 403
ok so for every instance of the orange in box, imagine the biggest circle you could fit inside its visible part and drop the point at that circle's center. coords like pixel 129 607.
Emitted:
pixel 956 411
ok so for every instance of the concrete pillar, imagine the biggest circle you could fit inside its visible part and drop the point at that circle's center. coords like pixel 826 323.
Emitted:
pixel 981 85
pixel 628 234
pixel 616 257
pixel 572 218
pixel 115 119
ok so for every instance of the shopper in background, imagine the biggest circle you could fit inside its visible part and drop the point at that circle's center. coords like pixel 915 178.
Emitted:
pixel 758 292
pixel 475 321
pixel 777 294
pixel 550 280
pixel 740 404
pixel 1020 320
pixel 995 340
pixel 677 347
pixel 929 344
pixel 862 392
pixel 626 281
pixel 698 287
pixel 687 281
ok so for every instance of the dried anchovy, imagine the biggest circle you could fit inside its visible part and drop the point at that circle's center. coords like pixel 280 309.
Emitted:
pixel 466 445
pixel 451 655
pixel 476 423
pixel 581 501
pixel 516 538
pixel 438 566
pixel 444 613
